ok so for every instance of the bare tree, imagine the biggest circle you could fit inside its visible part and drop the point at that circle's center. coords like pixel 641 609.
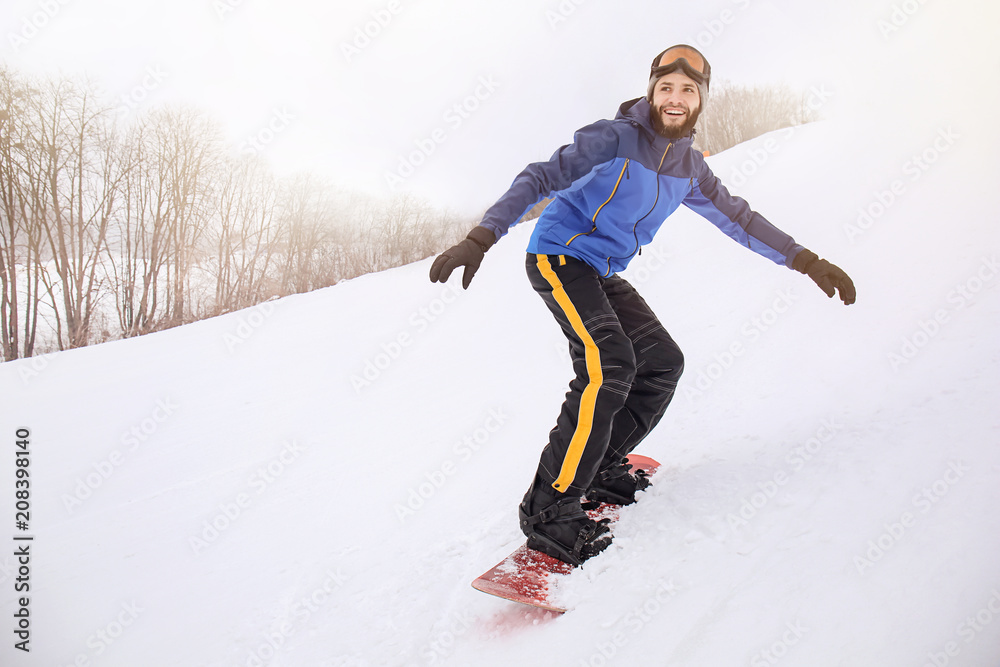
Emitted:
pixel 245 234
pixel 20 237
pixel 195 151
pixel 166 202
pixel 152 223
pixel 140 251
pixel 77 160
pixel 739 113
pixel 304 212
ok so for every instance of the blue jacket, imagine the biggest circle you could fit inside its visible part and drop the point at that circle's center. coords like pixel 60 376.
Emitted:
pixel 614 186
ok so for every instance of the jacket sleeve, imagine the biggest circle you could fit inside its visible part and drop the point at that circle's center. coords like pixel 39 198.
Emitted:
pixel 592 145
pixel 710 199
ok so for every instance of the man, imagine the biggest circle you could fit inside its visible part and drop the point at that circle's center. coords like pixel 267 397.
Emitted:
pixel 612 188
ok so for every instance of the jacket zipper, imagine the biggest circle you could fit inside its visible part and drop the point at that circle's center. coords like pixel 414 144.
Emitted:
pixel 593 220
pixel 635 225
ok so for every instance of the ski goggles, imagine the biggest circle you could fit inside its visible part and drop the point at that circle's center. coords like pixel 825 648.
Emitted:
pixel 683 57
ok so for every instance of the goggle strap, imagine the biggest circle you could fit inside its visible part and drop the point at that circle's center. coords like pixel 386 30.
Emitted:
pixel 680 63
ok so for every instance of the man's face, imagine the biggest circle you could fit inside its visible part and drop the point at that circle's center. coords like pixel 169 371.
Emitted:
pixel 676 105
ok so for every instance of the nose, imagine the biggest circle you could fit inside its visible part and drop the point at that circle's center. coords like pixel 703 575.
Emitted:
pixel 673 99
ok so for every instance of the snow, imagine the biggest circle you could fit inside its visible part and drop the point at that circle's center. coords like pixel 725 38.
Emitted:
pixel 317 480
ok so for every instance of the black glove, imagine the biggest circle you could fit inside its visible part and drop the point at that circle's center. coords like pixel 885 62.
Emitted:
pixel 469 253
pixel 828 276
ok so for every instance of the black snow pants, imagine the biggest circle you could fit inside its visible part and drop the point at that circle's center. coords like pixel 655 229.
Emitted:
pixel 626 365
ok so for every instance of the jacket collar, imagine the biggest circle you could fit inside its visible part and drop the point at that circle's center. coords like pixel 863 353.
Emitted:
pixel 637 112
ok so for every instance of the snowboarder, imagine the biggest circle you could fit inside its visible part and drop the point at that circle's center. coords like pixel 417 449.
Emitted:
pixel 612 188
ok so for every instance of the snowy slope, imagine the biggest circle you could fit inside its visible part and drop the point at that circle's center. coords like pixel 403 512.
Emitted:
pixel 317 480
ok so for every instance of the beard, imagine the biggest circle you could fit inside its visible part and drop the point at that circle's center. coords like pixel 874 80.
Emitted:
pixel 674 131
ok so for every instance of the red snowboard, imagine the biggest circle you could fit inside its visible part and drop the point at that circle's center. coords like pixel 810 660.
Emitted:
pixel 525 576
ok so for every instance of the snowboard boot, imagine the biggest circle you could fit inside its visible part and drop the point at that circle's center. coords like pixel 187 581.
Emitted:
pixel 617 484
pixel 556 524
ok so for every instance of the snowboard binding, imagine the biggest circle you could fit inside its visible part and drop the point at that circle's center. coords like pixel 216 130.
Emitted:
pixel 564 531
pixel 618 485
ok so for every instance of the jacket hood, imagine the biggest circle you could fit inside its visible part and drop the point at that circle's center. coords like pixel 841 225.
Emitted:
pixel 637 112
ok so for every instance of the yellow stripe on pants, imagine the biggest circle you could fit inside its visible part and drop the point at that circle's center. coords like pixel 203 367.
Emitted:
pixel 588 400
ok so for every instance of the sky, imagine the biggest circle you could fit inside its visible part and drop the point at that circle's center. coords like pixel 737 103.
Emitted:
pixel 449 100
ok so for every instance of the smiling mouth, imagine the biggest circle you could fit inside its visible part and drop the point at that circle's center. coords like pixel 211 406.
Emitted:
pixel 674 112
